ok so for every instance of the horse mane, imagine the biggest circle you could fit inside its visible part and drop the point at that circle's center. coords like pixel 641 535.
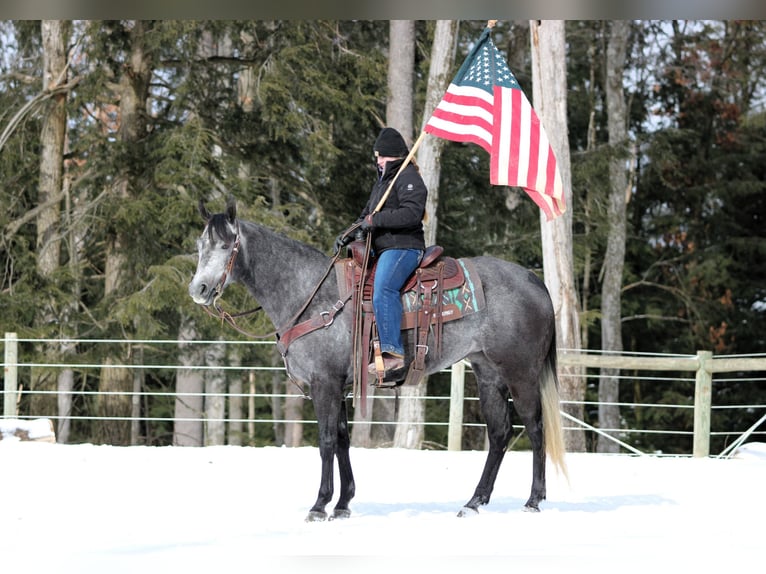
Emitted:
pixel 220 225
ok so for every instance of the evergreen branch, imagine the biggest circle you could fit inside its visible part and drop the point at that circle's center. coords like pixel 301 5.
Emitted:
pixel 12 228
pixel 645 283
pixel 656 317
pixel 31 105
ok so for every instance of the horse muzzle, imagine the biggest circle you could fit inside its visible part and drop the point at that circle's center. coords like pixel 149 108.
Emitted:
pixel 202 294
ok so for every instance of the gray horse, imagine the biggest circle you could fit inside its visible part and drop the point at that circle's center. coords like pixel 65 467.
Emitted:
pixel 511 346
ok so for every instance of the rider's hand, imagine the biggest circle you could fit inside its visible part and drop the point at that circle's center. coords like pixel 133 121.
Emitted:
pixel 367 223
pixel 340 242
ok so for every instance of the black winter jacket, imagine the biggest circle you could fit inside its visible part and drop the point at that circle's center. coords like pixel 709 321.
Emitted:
pixel 399 223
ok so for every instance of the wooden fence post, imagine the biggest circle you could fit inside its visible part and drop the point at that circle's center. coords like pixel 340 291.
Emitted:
pixel 457 392
pixel 703 398
pixel 10 394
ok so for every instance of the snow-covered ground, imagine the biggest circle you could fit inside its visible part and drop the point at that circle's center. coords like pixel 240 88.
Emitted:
pixel 99 509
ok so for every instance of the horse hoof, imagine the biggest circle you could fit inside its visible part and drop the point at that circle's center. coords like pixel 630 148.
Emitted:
pixel 530 508
pixel 340 514
pixel 316 516
pixel 467 512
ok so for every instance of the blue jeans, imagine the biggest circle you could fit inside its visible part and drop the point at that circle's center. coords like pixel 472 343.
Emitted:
pixel 394 267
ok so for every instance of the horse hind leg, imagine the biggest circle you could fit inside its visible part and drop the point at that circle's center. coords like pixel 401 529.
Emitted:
pixel 528 406
pixel 493 397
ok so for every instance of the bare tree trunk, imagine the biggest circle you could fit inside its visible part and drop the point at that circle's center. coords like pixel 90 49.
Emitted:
pixel 401 70
pixel 407 433
pixel 429 153
pixel 251 408
pixel 278 387
pixel 65 382
pixel 361 432
pixel 55 34
pixel 410 432
pixel 293 412
pixel 614 260
pixel 65 386
pixel 189 384
pixel 133 89
pixel 550 101
pixel 234 427
pixel 215 404
pixel 136 401
pixel 401 64
pixel 590 146
pixel 113 379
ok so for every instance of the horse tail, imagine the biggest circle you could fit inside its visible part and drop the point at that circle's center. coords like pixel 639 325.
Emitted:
pixel 549 397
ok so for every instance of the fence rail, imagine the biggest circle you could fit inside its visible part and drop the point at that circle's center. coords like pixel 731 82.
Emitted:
pixel 703 365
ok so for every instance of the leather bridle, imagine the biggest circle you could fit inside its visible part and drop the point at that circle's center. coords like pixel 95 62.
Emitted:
pixel 227 270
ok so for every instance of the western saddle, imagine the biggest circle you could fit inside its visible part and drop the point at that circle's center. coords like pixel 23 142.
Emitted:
pixel 425 309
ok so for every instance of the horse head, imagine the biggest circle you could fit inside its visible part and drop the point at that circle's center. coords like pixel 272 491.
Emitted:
pixel 217 250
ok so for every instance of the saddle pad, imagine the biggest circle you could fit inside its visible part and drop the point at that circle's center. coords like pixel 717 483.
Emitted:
pixel 457 302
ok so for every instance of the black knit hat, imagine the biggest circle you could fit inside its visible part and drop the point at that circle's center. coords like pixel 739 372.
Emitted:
pixel 390 143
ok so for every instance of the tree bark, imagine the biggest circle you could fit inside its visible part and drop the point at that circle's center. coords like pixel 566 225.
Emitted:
pixel 614 259
pixel 234 426
pixel 401 64
pixel 429 153
pixel 293 412
pixel 550 100
pixel 133 92
pixel 189 384
pixel 55 35
pixel 215 403
pixel 401 70
pixel 410 430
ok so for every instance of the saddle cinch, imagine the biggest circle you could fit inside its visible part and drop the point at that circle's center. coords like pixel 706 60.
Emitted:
pixel 441 289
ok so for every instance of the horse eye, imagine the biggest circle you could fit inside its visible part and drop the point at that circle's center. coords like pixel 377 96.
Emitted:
pixel 225 246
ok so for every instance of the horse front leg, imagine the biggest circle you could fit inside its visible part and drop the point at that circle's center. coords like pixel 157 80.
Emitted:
pixel 327 409
pixel 347 485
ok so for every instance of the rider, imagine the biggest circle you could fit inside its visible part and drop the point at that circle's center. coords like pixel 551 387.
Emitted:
pixel 397 239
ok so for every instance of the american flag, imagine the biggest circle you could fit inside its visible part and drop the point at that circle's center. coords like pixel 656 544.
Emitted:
pixel 484 105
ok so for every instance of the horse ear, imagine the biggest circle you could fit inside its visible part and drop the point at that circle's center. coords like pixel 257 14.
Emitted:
pixel 206 215
pixel 231 209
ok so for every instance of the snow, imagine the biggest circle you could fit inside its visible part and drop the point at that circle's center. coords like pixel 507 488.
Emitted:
pixel 94 509
pixel 18 429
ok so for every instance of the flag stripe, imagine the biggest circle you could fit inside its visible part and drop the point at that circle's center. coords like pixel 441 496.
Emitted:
pixel 533 152
pixel 467 134
pixel 472 96
pixel 458 115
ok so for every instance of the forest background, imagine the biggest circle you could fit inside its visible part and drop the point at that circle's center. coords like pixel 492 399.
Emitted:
pixel 111 131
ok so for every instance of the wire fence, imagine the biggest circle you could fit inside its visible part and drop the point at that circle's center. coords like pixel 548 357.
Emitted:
pixel 252 396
